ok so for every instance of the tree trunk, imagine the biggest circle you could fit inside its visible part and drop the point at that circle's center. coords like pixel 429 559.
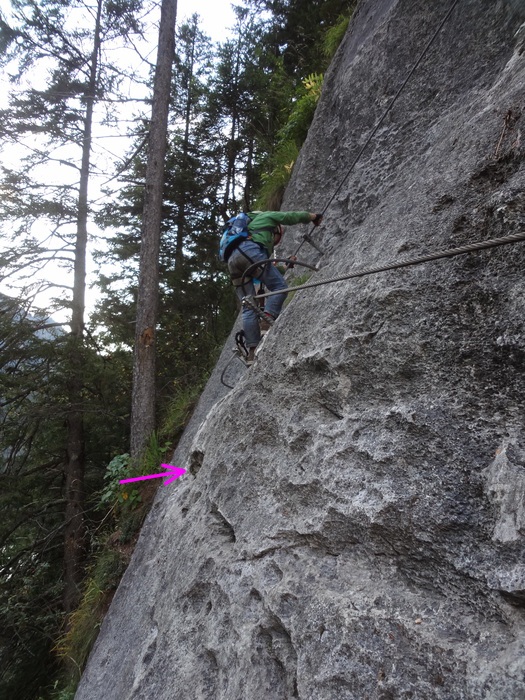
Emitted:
pixel 74 548
pixel 143 395
pixel 181 203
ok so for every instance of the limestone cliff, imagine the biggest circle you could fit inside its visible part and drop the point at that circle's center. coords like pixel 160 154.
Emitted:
pixel 352 524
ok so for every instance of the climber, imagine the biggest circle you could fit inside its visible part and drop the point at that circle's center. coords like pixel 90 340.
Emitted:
pixel 265 232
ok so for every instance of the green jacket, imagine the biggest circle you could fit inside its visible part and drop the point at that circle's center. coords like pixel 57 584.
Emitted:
pixel 263 224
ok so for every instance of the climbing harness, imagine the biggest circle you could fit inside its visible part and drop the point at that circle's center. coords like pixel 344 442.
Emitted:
pixel 240 351
pixel 251 301
pixel 406 262
pixel 253 266
pixel 261 263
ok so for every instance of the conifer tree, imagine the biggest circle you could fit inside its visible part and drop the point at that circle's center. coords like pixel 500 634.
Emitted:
pixel 195 309
pixel 31 502
pixel 143 394
pixel 33 407
pixel 48 35
pixel 251 95
pixel 189 142
pixel 296 31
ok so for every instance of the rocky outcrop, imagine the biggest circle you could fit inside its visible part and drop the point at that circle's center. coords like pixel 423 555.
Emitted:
pixel 352 524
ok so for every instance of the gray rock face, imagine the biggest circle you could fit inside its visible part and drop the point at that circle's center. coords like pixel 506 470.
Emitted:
pixel 353 522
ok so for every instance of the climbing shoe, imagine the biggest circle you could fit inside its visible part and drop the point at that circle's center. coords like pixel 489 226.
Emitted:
pixel 250 358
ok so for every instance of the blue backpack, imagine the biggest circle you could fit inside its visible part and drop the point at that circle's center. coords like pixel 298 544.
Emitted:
pixel 234 234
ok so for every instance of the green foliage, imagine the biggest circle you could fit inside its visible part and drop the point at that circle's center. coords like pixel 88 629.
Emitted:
pixel 31 506
pixel 237 115
pixel 114 493
pixel 62 694
pixel 75 645
pixel 83 625
pixel 109 567
pixel 154 454
pixel 179 410
pixel 271 193
pixel 122 498
pixel 289 141
pixel 34 372
pixel 334 35
pixel 296 30
pixel 313 33
pixel 128 506
pixel 29 614
pixel 296 128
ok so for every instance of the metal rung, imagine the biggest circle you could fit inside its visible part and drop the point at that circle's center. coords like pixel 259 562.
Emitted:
pixel 311 241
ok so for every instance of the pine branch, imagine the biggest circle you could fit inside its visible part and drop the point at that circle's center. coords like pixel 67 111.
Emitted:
pixel 29 518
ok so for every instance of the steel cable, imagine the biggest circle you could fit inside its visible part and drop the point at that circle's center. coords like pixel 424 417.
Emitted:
pixel 385 113
pixel 452 252
pixel 263 263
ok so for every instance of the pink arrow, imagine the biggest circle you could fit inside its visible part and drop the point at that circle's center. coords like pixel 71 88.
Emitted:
pixel 173 473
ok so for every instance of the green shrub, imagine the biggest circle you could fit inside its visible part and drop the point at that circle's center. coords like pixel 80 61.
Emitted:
pixel 179 411
pixel 289 141
pixel 334 35
pixel 115 494
pixel 293 134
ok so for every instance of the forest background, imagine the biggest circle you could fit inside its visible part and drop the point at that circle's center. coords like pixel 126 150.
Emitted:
pixel 75 74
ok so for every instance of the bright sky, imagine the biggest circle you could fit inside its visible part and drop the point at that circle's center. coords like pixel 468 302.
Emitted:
pixel 217 19
pixel 217 15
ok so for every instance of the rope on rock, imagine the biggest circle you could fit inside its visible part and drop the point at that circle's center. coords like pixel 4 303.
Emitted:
pixel 226 367
pixel 384 115
pixel 482 245
pixel 406 262
pixel 440 255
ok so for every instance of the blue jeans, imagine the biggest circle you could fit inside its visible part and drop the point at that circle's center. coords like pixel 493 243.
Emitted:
pixel 268 274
